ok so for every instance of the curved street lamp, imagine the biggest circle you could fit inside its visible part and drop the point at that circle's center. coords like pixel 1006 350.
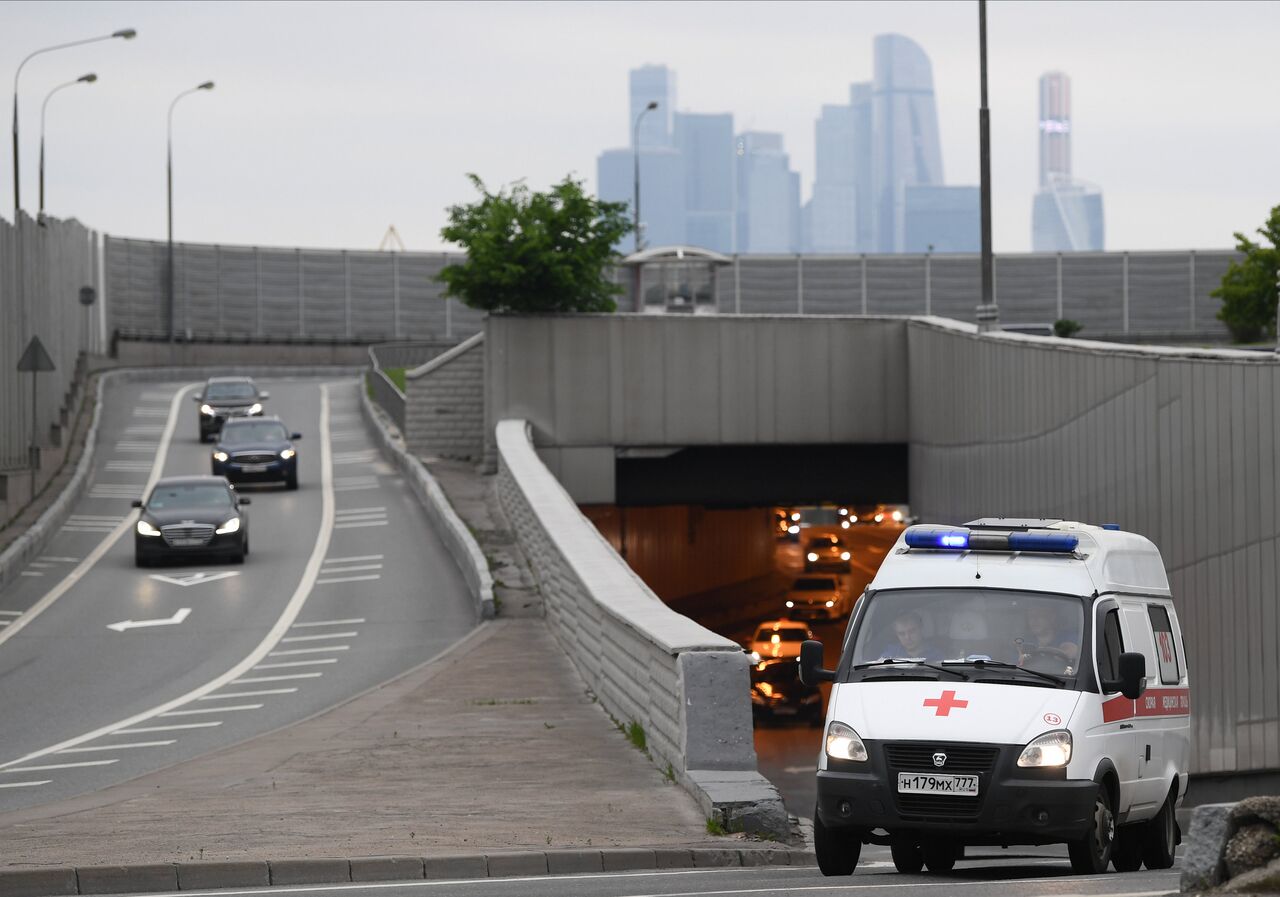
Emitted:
pixel 83 79
pixel 125 33
pixel 635 152
pixel 208 85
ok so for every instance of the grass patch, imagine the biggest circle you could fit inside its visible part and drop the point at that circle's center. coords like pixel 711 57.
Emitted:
pixel 396 376
pixel 715 826
pixel 669 774
pixel 635 734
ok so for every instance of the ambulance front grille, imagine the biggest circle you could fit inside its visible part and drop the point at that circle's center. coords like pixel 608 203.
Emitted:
pixel 917 756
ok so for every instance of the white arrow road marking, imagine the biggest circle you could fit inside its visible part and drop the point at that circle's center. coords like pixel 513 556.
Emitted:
pixel 24 784
pixel 139 624
pixel 193 579
pixel 51 766
pixel 115 747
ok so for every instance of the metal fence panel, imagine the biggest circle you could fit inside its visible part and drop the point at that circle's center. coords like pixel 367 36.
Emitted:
pixel 1093 291
pixel 895 285
pixel 1026 289
pixel 955 286
pixel 832 285
pixel 768 285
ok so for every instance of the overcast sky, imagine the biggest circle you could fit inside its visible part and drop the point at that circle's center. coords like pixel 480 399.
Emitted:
pixel 331 121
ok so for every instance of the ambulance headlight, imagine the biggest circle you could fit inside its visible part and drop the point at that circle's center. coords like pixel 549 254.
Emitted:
pixel 1052 749
pixel 844 744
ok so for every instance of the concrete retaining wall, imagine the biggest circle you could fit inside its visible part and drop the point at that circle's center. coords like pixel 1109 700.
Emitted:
pixel 685 685
pixel 444 403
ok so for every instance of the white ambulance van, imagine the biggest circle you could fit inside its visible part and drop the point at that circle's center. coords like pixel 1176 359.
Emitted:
pixel 1008 682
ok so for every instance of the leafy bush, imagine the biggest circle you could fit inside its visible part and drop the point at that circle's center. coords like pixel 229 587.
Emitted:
pixel 1248 290
pixel 1066 328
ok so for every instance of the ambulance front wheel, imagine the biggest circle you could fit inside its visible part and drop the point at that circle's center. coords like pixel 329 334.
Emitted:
pixel 837 849
pixel 907 856
pixel 1091 854
pixel 939 856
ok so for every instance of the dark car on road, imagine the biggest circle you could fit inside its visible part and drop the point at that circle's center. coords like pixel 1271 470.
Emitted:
pixel 224 398
pixel 187 516
pixel 778 694
pixel 256 449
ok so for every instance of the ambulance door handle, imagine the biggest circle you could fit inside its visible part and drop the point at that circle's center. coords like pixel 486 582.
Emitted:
pixel 1148 753
pixel 1126 725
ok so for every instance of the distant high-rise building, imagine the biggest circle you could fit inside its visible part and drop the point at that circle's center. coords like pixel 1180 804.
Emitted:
pixel 1066 214
pixel 831 220
pixel 941 219
pixel 653 83
pixel 768 195
pixel 662 192
pixel 706 147
pixel 860 95
pixel 905 148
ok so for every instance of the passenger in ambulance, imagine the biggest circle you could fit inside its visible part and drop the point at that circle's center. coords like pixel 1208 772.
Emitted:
pixel 908 629
pixel 1047 644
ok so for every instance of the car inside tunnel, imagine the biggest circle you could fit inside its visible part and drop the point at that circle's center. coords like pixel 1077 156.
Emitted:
pixel 767 546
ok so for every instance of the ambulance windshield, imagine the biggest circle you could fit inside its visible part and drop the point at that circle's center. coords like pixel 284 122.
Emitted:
pixel 1031 631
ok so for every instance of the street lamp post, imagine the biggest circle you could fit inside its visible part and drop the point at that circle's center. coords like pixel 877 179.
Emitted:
pixel 125 33
pixel 83 79
pixel 208 85
pixel 987 313
pixel 635 156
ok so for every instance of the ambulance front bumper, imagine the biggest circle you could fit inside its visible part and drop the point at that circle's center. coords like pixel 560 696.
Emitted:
pixel 1013 805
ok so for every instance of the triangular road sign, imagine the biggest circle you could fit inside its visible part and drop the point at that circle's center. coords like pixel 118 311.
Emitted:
pixel 35 358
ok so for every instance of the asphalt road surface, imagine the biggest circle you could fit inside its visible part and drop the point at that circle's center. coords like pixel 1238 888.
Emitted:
pixel 346 585
pixel 1024 874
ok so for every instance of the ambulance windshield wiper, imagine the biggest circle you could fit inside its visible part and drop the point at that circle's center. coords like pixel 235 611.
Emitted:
pixel 889 661
pixel 984 664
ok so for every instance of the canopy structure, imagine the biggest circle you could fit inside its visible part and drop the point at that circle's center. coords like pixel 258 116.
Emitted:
pixel 675 279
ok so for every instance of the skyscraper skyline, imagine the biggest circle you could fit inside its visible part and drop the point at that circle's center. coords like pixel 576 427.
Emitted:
pixel 1066 213
pixel 656 84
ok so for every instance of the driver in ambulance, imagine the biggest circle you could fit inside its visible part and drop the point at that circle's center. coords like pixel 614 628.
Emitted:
pixel 1045 637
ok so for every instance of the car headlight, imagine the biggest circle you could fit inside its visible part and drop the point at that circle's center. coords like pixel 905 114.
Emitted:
pixel 844 524
pixel 897 516
pixel 844 555
pixel 207 409
pixel 231 526
pixel 793 529
pixel 844 744
pixel 287 454
pixel 1051 749
pixel 791 604
pixel 813 555
pixel 146 529
pixel 831 604
pixel 220 456
pixel 255 408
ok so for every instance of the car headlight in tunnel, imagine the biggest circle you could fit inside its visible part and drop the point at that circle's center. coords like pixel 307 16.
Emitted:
pixel 844 744
pixel 207 409
pixel 813 555
pixel 897 516
pixel 755 656
pixel 287 454
pixel 146 529
pixel 879 518
pixel 791 604
pixel 793 529
pixel 844 555
pixel 220 456
pixel 231 526
pixel 255 408
pixel 844 524
pixel 844 512
pixel 831 604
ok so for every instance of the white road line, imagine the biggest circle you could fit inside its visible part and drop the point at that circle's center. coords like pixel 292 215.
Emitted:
pixel 352 560
pixel 128 466
pixel 317 638
pixel 356 488
pixel 41 564
pixel 354 568
pixel 249 694
pixel 10 613
pixel 116 747
pixel 5 622
pixel 324 650
pixel 336 579
pixel 53 766
pixel 295 663
pixel 343 511
pixel 366 523
pixel 290 613
pixel 135 446
pixel 113 518
pixel 60 560
pixel 174 728
pixel 258 679
pixel 229 709
pixel 24 784
pixel 32 573
pixel 349 622
pixel 377 515
pixel 82 568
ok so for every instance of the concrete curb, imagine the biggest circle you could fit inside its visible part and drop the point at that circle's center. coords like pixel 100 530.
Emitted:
pixel 31 543
pixel 461 544
pixel 246 873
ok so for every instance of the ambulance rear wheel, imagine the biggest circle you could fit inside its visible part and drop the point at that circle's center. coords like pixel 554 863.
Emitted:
pixel 1126 854
pixel 837 849
pixel 1091 854
pixel 1162 837
pixel 939 856
pixel 907 856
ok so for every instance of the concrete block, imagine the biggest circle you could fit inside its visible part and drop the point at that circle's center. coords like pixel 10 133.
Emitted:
pixel 705 857
pixel 523 862
pixel 446 868
pixel 568 862
pixel 717 712
pixel 321 870
pixel 127 879
pixel 803 858
pixel 230 874
pixel 620 859
pixel 38 882
pixel 386 868
pixel 1211 828
pixel 673 858
pixel 1260 881
pixel 765 856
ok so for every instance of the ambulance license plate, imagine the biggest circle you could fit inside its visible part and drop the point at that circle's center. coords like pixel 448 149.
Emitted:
pixel 927 783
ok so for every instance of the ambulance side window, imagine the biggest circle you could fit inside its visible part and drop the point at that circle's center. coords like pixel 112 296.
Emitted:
pixel 1166 646
pixel 1110 647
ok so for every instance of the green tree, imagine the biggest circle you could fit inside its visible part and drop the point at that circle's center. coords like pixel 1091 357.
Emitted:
pixel 1248 290
pixel 535 252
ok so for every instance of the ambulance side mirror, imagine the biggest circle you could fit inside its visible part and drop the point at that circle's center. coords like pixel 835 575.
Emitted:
pixel 1133 676
pixel 811 671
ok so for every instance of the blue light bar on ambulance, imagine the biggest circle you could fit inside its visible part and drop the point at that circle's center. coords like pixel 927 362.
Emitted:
pixel 950 538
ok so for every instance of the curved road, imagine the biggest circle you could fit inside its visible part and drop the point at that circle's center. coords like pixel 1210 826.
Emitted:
pixel 346 585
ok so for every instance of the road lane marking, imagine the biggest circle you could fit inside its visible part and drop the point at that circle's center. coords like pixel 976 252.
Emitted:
pixel 249 694
pixel 24 784
pixel 296 663
pixel 257 679
pixel 128 446
pixel 173 728
pixel 116 747
pixel 92 558
pixel 334 579
pixel 5 622
pixel 10 613
pixel 342 511
pixel 286 619
pixel 229 709
pixel 177 618
pixel 317 638
pixel 356 559
pixel 52 766
pixel 349 622
pixel 194 579
pixel 32 573
pixel 60 560
pixel 324 650
pixel 366 523
pixel 350 568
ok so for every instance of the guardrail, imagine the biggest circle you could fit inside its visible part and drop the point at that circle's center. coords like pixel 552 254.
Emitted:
pixel 388 396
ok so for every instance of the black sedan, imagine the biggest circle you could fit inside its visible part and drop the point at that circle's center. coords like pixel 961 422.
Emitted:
pixel 777 693
pixel 224 398
pixel 257 449
pixel 187 516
